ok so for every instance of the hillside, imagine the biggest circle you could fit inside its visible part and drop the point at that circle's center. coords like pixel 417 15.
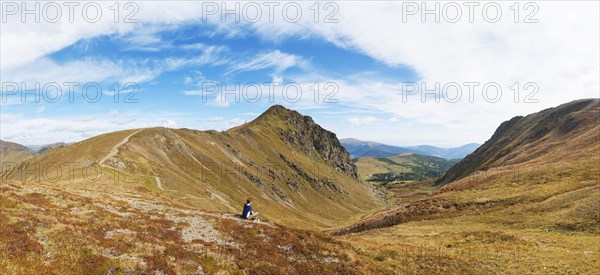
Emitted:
pixel 358 148
pixel 555 134
pixel 297 173
pixel 11 152
pixel 536 211
pixel 403 167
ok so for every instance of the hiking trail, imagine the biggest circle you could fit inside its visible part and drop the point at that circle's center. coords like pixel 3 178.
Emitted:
pixel 115 150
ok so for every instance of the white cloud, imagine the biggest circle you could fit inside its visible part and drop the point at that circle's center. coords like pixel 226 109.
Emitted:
pixel 215 119
pixel 276 59
pixel 169 123
pixel 276 79
pixel 25 129
pixel 362 120
pixel 146 39
pixel 560 54
pixel 220 101
pixel 80 71
pixel 234 122
pixel 23 43
pixel 192 92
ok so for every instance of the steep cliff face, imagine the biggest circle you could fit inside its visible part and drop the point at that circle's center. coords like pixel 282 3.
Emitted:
pixel 559 133
pixel 302 133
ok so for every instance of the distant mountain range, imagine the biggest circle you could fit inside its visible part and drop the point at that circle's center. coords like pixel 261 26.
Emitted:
pixel 40 149
pixel 358 148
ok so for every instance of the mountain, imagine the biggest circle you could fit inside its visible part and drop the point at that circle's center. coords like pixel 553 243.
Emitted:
pixel 555 134
pixel 358 148
pixel 167 201
pixel 11 152
pixel 297 172
pixel 40 149
pixel 403 167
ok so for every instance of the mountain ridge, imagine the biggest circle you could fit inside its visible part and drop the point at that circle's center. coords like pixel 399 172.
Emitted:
pixel 297 172
pixel 525 138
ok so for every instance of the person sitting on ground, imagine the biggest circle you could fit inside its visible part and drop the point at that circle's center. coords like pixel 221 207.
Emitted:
pixel 248 213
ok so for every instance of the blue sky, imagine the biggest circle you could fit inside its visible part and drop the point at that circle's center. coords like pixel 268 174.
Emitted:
pixel 173 60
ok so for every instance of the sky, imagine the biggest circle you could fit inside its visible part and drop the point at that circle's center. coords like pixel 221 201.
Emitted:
pixel 401 73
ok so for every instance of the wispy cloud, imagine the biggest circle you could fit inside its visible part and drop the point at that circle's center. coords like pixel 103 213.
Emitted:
pixel 215 119
pixel 277 60
pixel 362 120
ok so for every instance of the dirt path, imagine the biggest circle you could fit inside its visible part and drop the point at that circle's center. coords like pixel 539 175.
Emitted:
pixel 115 150
pixel 158 183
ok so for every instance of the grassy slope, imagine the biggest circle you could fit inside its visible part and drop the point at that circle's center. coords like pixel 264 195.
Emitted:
pixel 72 228
pixel 215 172
pixel 554 134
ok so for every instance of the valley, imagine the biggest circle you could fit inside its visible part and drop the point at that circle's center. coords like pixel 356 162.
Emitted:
pixel 403 167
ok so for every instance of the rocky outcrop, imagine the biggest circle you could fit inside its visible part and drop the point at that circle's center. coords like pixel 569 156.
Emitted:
pixel 303 134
